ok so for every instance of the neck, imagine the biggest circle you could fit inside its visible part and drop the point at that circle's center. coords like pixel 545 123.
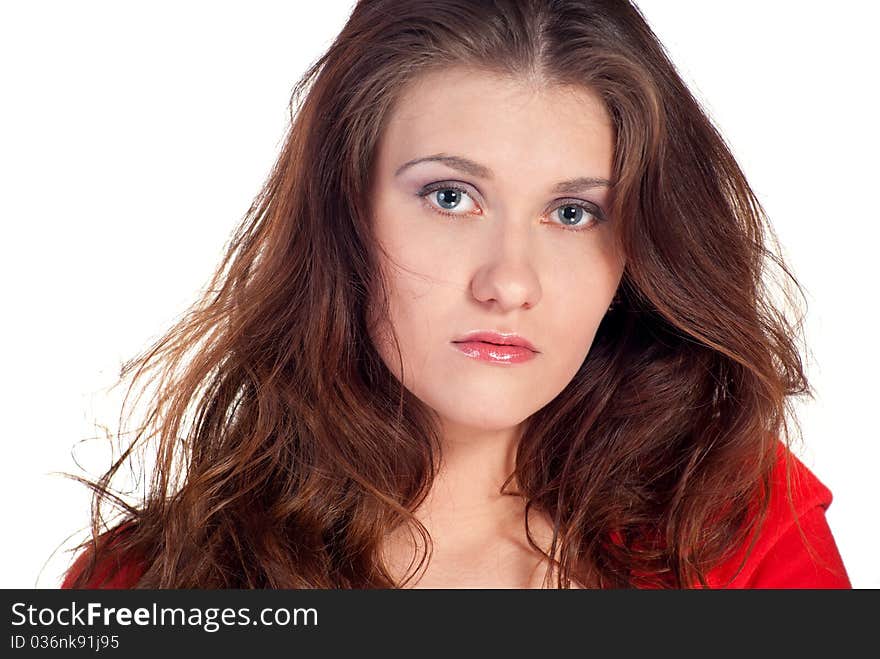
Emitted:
pixel 469 521
pixel 465 497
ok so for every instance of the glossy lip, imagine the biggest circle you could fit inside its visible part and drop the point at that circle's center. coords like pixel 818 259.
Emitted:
pixel 505 355
pixel 497 338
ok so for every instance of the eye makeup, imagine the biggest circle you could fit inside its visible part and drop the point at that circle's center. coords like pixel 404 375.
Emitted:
pixel 587 208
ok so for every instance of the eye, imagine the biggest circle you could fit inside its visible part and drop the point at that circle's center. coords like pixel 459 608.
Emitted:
pixel 454 200
pixel 444 197
pixel 573 214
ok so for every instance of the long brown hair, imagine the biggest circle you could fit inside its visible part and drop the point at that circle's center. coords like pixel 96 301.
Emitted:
pixel 286 450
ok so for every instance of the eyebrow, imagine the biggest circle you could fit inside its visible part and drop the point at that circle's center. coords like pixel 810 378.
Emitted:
pixel 468 166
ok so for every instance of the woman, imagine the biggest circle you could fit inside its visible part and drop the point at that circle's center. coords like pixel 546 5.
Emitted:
pixel 337 412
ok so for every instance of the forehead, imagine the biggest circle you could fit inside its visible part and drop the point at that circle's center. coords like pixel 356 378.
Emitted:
pixel 497 117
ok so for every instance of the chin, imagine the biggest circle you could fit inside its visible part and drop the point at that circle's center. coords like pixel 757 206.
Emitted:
pixel 492 420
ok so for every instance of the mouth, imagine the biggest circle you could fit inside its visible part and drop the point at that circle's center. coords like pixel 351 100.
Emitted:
pixel 493 343
pixel 497 339
pixel 495 353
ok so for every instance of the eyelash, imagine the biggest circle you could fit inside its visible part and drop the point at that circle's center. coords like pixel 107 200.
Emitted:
pixel 590 209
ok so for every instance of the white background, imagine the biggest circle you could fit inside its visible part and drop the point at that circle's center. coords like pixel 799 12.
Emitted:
pixel 134 137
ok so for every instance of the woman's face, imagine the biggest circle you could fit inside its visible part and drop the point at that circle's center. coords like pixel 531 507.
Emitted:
pixel 516 252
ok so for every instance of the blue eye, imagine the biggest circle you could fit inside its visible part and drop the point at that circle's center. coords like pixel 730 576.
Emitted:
pixel 443 198
pixel 448 197
pixel 573 214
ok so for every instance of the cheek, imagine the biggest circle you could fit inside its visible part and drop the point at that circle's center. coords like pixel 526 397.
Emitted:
pixel 573 328
pixel 577 299
pixel 423 243
pixel 421 266
pixel 415 303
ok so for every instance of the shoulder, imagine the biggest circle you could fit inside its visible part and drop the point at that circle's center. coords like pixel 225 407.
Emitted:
pixel 110 571
pixel 794 548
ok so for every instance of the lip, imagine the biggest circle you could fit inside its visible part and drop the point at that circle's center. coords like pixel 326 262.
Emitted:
pixel 496 338
pixel 495 347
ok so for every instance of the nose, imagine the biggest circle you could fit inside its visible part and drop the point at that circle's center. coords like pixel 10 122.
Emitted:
pixel 507 277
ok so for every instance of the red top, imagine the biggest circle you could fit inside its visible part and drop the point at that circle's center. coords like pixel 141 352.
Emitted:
pixel 780 559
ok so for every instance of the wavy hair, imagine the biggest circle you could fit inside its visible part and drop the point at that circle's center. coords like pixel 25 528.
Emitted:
pixel 285 450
